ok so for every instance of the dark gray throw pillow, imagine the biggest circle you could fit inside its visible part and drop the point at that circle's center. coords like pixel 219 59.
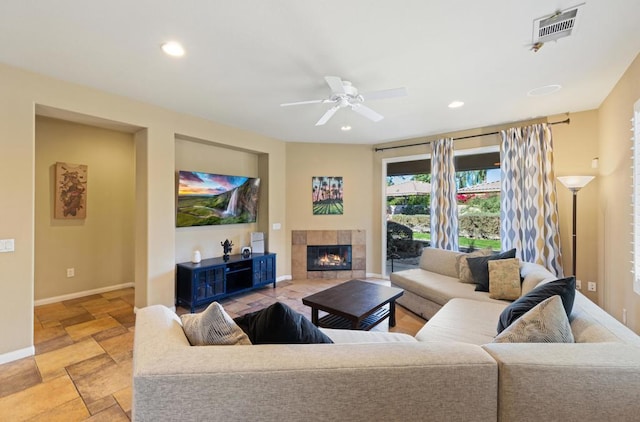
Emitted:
pixel 279 324
pixel 563 287
pixel 479 268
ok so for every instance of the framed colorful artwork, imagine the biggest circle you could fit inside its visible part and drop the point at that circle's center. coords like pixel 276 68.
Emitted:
pixel 327 195
pixel 70 191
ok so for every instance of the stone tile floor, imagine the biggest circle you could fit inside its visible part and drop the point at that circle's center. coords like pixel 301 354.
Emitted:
pixel 82 367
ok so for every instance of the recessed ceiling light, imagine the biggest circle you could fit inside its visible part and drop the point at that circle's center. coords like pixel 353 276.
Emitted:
pixel 345 128
pixel 544 90
pixel 456 104
pixel 173 48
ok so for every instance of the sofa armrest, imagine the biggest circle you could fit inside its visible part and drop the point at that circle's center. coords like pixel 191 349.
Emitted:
pixel 567 382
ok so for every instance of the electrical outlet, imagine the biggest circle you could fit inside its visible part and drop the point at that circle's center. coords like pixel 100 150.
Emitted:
pixel 71 272
pixel 578 284
pixel 591 286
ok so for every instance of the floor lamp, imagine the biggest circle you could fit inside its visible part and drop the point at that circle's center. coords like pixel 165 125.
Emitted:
pixel 574 184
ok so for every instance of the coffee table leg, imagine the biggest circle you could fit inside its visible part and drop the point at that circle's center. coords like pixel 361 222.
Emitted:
pixel 392 313
pixel 314 316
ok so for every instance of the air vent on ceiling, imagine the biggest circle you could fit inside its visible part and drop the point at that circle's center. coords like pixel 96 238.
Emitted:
pixel 559 25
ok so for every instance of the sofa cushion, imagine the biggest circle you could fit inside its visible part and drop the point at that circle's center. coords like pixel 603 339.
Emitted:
pixel 564 287
pixel 480 268
pixel 532 275
pixel 212 326
pixel 592 324
pixel 504 279
pixel 359 336
pixel 463 320
pixel 437 288
pixel 546 322
pixel 464 273
pixel 279 324
pixel 440 261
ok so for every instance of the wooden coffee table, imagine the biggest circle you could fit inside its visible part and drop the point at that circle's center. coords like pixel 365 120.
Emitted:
pixel 355 304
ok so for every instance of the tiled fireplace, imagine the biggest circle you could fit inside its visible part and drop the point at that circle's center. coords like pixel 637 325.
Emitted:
pixel 333 259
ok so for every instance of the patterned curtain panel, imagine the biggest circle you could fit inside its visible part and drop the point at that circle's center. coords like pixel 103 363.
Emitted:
pixel 444 208
pixel 529 209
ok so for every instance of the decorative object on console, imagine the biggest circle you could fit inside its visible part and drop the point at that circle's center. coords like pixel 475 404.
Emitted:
pixel 196 257
pixel 206 199
pixel 226 248
pixel 246 252
pixel 71 191
pixel 257 242
pixel 574 184
pixel 327 195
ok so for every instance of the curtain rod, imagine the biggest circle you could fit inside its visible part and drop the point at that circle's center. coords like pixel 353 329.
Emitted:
pixel 567 121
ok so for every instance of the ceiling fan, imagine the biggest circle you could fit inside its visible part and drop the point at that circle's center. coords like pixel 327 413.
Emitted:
pixel 344 94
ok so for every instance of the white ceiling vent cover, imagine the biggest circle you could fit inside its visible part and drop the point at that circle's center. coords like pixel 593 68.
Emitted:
pixel 559 25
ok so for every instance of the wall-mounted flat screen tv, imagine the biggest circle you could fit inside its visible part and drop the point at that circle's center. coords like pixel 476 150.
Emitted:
pixel 206 199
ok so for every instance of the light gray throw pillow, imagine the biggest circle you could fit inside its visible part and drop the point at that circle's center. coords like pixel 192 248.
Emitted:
pixel 547 322
pixel 212 326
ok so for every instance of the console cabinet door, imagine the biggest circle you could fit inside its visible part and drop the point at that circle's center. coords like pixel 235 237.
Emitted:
pixel 264 270
pixel 209 282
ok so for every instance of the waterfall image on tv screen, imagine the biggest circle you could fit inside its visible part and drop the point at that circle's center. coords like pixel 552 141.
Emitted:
pixel 206 199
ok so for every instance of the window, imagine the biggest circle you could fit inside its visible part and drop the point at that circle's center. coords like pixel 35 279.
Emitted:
pixel 635 125
pixel 407 204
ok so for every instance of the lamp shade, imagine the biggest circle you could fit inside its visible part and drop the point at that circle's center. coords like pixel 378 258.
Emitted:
pixel 575 183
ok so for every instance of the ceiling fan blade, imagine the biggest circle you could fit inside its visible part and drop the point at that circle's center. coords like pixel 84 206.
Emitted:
pixel 385 93
pixel 367 112
pixel 326 116
pixel 335 83
pixel 302 102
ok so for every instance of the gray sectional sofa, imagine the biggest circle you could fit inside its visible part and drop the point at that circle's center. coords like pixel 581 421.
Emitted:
pixel 450 371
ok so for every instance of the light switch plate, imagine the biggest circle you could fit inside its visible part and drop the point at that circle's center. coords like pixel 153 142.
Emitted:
pixel 7 245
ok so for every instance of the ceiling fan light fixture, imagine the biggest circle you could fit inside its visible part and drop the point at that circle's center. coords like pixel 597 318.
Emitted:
pixel 173 49
pixel 345 95
pixel 456 104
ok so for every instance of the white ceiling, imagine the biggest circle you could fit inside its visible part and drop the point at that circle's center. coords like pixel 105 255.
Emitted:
pixel 244 58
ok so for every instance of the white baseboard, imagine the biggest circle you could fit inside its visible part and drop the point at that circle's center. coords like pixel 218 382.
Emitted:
pixel 17 354
pixel 284 278
pixel 373 275
pixel 81 294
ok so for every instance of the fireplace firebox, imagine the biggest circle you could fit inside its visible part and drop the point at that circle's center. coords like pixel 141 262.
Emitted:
pixel 328 258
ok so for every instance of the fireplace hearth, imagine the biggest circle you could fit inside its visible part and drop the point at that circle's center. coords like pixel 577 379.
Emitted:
pixel 328 257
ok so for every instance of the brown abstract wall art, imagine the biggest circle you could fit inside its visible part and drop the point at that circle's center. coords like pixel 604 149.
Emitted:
pixel 70 191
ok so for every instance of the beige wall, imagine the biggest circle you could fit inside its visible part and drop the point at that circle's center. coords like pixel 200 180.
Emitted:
pixel 353 163
pixel 207 158
pixel 100 247
pixel 155 232
pixel 613 204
